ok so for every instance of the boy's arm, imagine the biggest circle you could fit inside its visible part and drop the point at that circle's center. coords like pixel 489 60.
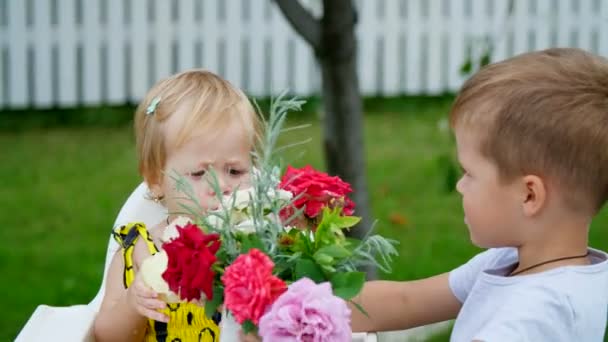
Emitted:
pixel 116 320
pixel 396 305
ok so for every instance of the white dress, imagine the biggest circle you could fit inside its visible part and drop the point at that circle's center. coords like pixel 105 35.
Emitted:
pixel 75 323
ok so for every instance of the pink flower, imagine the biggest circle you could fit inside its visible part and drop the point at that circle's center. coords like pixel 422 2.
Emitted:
pixel 307 312
pixel 250 287
pixel 318 190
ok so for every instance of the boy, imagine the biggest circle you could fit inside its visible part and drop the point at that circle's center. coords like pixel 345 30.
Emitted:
pixel 532 138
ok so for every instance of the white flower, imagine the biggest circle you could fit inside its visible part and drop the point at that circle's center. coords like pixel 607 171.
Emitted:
pixel 242 198
pixel 283 195
pixel 214 221
pixel 246 226
pixel 171 232
pixel 152 269
pixel 238 207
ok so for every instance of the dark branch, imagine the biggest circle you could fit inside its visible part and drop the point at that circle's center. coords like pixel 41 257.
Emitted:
pixel 302 21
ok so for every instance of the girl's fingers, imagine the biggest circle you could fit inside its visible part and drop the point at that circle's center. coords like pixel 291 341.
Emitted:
pixel 155 315
pixel 151 303
pixel 144 291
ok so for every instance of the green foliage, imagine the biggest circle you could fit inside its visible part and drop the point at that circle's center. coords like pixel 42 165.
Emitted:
pixel 249 327
pixel 451 172
pixel 347 285
pixel 211 306
pixel 63 188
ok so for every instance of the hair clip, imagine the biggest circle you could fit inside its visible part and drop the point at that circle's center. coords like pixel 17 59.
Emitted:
pixel 152 107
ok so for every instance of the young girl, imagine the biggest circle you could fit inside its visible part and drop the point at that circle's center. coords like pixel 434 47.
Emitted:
pixel 185 125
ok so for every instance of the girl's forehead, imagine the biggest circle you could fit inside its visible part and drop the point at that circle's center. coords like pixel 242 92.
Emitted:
pixel 231 141
pixel 180 132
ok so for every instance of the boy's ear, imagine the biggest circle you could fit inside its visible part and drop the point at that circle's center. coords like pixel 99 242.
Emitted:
pixel 534 193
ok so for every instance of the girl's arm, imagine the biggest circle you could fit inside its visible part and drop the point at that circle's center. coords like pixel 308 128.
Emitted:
pixel 398 305
pixel 122 316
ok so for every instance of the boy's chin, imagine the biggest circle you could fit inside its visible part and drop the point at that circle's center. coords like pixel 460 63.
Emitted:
pixel 485 243
pixel 481 242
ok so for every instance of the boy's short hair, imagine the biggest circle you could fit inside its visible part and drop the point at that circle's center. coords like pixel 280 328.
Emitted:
pixel 543 113
pixel 209 102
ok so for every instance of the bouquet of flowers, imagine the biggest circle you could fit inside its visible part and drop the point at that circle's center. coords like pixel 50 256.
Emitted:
pixel 275 255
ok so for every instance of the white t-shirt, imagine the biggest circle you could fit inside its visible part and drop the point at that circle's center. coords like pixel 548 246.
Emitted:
pixel 567 303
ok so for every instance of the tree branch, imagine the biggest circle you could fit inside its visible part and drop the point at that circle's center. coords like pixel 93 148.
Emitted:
pixel 302 21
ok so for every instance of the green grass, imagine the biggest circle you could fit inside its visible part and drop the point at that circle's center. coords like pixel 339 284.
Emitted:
pixel 62 188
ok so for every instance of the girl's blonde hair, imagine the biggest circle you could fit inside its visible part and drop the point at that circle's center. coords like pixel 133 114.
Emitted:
pixel 207 102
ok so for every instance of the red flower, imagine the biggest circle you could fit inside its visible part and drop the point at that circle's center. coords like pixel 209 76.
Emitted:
pixel 250 287
pixel 191 256
pixel 319 190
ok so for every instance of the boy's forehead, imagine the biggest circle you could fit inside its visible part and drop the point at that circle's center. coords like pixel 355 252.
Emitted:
pixel 467 142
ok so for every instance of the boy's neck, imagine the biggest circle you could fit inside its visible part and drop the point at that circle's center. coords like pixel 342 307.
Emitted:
pixel 562 240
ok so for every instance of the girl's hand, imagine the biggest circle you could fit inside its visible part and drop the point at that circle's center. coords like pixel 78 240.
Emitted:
pixel 145 301
pixel 249 337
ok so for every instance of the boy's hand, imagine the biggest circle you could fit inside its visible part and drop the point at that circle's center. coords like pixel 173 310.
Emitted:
pixel 145 301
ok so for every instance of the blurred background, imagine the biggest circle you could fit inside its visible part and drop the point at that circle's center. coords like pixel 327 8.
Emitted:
pixel 381 73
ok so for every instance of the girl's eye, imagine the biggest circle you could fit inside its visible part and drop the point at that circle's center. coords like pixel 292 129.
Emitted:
pixel 197 174
pixel 235 172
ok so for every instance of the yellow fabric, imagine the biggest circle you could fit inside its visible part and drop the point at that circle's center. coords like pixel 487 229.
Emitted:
pixel 187 321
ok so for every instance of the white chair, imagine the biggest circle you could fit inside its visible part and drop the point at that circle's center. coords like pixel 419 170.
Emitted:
pixel 75 323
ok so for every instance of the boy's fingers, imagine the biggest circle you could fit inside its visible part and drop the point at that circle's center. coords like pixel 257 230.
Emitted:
pixel 248 337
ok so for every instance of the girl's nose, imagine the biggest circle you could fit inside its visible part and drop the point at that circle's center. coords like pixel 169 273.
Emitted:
pixel 223 185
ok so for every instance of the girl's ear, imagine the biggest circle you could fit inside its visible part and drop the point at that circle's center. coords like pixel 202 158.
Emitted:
pixel 155 186
pixel 534 195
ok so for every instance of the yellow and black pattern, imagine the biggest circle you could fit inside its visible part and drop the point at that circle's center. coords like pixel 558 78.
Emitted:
pixel 187 321
pixel 126 236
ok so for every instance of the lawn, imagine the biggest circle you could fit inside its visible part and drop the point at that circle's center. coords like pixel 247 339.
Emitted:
pixel 63 186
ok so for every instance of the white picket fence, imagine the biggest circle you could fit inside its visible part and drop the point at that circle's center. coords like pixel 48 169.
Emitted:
pixel 66 53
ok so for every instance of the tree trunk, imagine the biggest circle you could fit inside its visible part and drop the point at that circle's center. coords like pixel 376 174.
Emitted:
pixel 343 112
pixel 335 45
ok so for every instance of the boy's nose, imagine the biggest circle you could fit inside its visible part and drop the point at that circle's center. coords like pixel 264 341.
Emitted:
pixel 459 186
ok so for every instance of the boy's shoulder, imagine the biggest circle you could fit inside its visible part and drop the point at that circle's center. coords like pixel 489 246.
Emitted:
pixel 564 303
pixel 491 267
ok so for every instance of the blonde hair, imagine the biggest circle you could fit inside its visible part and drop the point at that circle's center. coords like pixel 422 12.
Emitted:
pixel 207 101
pixel 543 113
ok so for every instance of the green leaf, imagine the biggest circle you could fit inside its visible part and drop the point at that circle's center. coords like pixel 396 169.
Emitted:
pixel 352 243
pixel 466 67
pixel 347 221
pixel 486 58
pixel 249 327
pixel 250 241
pixel 212 305
pixel 309 269
pixel 347 285
pixel 302 242
pixel 334 251
pixel 359 307
pixel 323 259
pixel 328 269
